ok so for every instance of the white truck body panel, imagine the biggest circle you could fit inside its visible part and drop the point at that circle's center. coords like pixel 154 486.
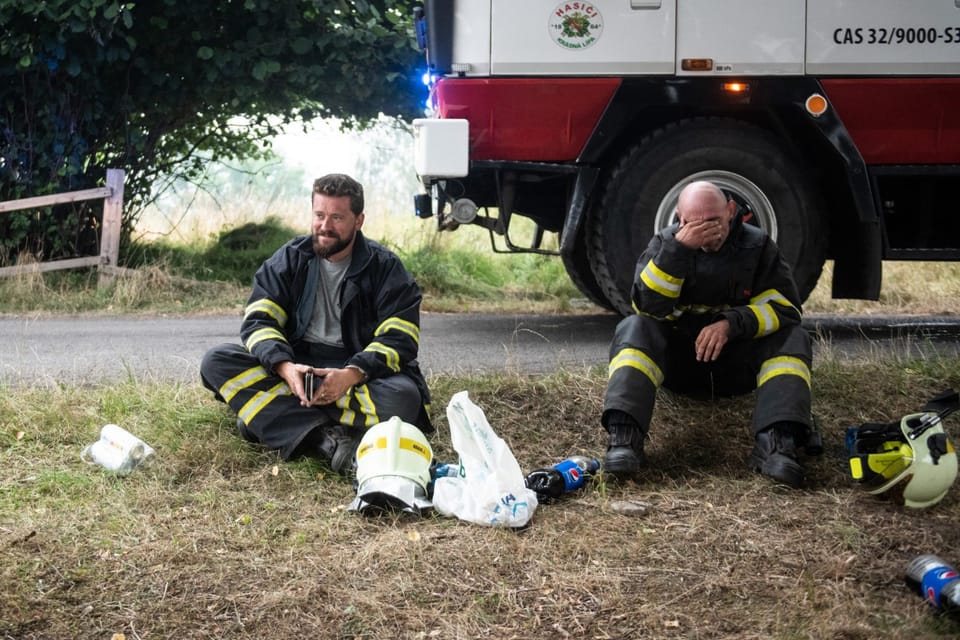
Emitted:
pixel 471 37
pixel 623 38
pixel 741 37
pixel 883 37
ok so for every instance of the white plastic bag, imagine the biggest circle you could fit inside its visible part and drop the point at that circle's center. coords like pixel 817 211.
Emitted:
pixel 491 490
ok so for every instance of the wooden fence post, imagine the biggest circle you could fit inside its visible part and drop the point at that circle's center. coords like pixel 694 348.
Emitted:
pixel 110 231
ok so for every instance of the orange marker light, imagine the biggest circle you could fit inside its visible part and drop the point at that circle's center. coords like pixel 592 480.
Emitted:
pixel 736 87
pixel 697 64
pixel 816 105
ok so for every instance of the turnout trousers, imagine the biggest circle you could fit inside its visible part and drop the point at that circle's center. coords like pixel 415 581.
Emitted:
pixel 272 415
pixel 647 353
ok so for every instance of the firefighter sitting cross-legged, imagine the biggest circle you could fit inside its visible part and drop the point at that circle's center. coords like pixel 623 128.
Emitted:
pixel 716 312
pixel 340 307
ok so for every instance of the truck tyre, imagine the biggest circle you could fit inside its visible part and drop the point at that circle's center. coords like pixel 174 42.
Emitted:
pixel 581 274
pixel 640 194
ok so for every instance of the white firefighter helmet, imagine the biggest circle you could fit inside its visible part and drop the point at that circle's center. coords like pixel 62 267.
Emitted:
pixel 913 461
pixel 393 468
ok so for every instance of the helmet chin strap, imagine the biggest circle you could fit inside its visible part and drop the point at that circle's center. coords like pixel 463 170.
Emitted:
pixel 928 420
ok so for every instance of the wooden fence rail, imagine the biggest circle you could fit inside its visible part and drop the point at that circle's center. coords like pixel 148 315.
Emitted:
pixel 112 196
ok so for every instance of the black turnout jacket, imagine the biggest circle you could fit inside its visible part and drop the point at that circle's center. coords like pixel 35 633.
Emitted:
pixel 746 282
pixel 380 311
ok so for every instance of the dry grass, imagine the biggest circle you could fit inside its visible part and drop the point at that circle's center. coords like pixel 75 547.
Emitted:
pixel 215 539
pixel 149 290
pixel 907 288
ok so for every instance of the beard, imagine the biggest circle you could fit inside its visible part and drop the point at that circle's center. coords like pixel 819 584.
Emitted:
pixel 325 251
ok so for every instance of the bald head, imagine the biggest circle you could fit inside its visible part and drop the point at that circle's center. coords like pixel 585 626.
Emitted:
pixel 701 196
pixel 706 212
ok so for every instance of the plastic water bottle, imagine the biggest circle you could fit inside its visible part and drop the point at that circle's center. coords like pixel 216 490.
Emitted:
pixel 563 477
pixel 935 581
pixel 448 470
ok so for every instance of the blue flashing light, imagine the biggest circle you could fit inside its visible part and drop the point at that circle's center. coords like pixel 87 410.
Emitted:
pixel 429 79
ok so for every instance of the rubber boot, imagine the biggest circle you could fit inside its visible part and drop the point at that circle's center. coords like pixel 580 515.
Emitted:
pixel 624 455
pixel 338 446
pixel 775 453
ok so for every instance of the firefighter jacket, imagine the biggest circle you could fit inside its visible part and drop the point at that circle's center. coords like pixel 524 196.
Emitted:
pixel 380 311
pixel 746 282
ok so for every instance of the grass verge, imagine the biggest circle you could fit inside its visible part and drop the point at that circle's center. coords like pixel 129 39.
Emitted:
pixel 215 538
pixel 456 271
pixel 452 280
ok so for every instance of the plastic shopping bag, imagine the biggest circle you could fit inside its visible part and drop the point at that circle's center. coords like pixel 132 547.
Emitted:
pixel 491 490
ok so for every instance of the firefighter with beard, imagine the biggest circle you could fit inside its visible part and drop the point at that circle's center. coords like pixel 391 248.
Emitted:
pixel 335 307
pixel 717 314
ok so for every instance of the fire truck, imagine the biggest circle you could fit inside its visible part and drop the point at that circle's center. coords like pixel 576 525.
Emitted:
pixel 835 124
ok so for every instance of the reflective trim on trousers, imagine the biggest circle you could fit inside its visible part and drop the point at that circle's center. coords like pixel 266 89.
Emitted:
pixel 260 400
pixel 638 360
pixel 239 382
pixel 783 366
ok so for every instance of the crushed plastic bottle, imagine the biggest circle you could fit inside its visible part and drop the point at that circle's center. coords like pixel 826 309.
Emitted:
pixel 563 477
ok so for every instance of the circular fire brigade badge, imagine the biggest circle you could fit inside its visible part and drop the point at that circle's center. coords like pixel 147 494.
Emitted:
pixel 575 25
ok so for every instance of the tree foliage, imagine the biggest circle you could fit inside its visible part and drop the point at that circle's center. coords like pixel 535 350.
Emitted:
pixel 161 88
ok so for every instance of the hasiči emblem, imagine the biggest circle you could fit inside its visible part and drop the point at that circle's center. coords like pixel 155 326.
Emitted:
pixel 575 25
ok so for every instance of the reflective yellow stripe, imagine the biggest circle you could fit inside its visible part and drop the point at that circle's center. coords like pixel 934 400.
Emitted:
pixel 783 366
pixel 362 394
pixel 660 281
pixel 268 307
pixel 348 415
pixel 407 444
pixel 856 468
pixel 701 309
pixel 261 399
pixel 242 381
pixel 397 324
pixel 762 307
pixel 673 315
pixel 390 355
pixel 767 319
pixel 638 360
pixel 772 296
pixel 267 333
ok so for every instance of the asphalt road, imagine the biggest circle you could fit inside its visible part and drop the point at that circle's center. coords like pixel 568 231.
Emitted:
pixel 92 350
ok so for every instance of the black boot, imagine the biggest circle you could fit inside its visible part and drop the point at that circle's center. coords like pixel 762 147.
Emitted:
pixel 775 453
pixel 624 455
pixel 338 445
pixel 245 432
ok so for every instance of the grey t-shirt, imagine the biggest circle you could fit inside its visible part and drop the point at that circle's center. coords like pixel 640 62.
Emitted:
pixel 324 327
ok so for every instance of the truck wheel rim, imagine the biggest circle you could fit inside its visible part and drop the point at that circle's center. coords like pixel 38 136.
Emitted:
pixel 744 191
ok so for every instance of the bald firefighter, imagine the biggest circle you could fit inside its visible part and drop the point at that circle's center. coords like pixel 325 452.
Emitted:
pixel 716 313
pixel 335 307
